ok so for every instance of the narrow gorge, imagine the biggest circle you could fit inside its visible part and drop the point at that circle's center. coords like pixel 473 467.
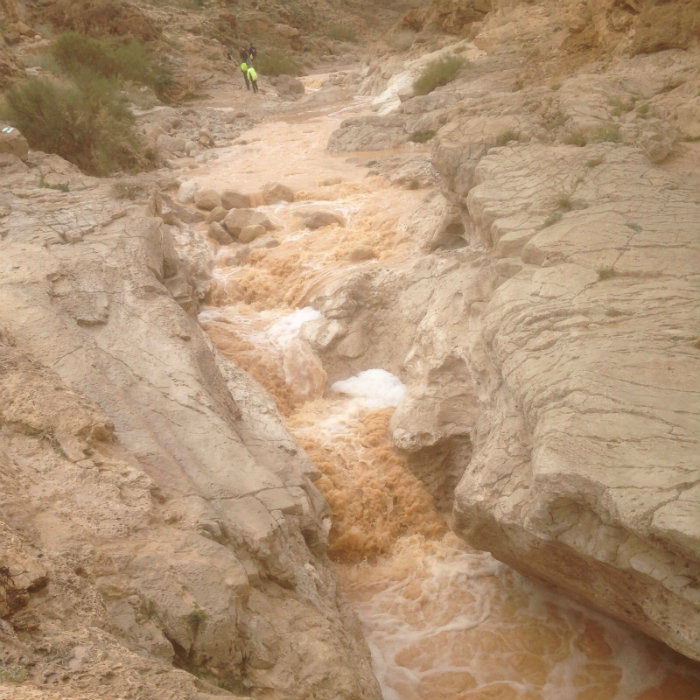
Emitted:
pixel 366 393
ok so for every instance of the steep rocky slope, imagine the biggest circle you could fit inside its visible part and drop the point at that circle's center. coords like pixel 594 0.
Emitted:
pixel 155 510
pixel 161 532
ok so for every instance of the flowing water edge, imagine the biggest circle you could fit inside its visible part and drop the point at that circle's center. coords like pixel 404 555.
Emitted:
pixel 442 620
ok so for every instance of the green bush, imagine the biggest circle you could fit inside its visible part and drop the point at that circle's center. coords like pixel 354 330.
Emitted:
pixel 506 137
pixel 422 135
pixel 340 32
pixel 611 133
pixel 438 73
pixel 75 52
pixel 272 62
pixel 85 122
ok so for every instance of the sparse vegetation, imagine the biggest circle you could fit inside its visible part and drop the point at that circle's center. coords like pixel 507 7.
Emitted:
pixel 564 202
pixel 82 116
pixel 75 53
pixel 621 105
pixel 127 190
pixel 421 136
pixel 611 133
pixel 197 617
pixel 614 313
pixel 13 673
pixel 606 273
pixel 85 122
pixel 643 110
pixel 552 219
pixel 554 119
pixel 61 186
pixel 340 32
pixel 272 62
pixel 576 138
pixel 593 162
pixel 634 226
pixel 439 73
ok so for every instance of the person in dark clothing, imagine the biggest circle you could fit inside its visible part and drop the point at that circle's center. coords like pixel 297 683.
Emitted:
pixel 252 53
pixel 243 53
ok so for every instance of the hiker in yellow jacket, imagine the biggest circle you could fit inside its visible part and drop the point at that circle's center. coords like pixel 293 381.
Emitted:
pixel 244 70
pixel 252 76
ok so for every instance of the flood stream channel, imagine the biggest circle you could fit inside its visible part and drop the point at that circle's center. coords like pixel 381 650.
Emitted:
pixel 442 620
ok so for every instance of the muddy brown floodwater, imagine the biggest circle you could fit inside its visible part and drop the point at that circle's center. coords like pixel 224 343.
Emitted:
pixel 442 620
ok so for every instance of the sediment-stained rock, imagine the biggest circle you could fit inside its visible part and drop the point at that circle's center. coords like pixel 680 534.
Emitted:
pixel 160 513
pixel 571 364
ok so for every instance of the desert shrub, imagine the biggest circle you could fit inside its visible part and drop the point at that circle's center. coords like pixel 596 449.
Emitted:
pixel 340 32
pixel 13 673
pixel 576 138
pixel 643 110
pixel 133 61
pixel 564 202
pixel 272 62
pixel 439 73
pixel 506 137
pixel 621 105
pixel 611 133
pixel 197 617
pixel 127 190
pixel 606 273
pixel 84 122
pixel 422 135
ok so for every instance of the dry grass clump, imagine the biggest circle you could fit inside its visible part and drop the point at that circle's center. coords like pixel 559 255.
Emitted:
pixel 439 73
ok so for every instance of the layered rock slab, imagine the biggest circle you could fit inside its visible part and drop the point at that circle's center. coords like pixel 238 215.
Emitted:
pixel 160 512
pixel 579 383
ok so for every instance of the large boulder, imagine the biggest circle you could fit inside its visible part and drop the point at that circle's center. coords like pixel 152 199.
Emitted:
pixel 238 219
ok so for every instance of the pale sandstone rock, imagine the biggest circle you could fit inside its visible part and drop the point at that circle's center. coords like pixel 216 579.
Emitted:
pixel 250 233
pixel 219 233
pixel 216 214
pixel 317 218
pixel 565 380
pixel 238 219
pixel 231 199
pixel 207 199
pixel 171 506
pixel 277 192
pixel 187 190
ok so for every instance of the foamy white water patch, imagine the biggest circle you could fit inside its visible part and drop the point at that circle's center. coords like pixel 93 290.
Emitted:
pixel 288 327
pixel 373 388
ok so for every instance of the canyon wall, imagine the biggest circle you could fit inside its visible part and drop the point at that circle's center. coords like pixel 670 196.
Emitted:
pixel 554 368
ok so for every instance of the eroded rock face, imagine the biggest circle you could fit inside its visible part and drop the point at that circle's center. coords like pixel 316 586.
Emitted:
pixel 150 491
pixel 553 370
pixel 567 360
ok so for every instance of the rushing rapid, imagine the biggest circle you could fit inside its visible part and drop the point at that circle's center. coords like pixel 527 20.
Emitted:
pixel 442 620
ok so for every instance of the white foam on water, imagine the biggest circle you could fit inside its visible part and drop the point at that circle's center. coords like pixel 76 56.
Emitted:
pixel 373 389
pixel 286 329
